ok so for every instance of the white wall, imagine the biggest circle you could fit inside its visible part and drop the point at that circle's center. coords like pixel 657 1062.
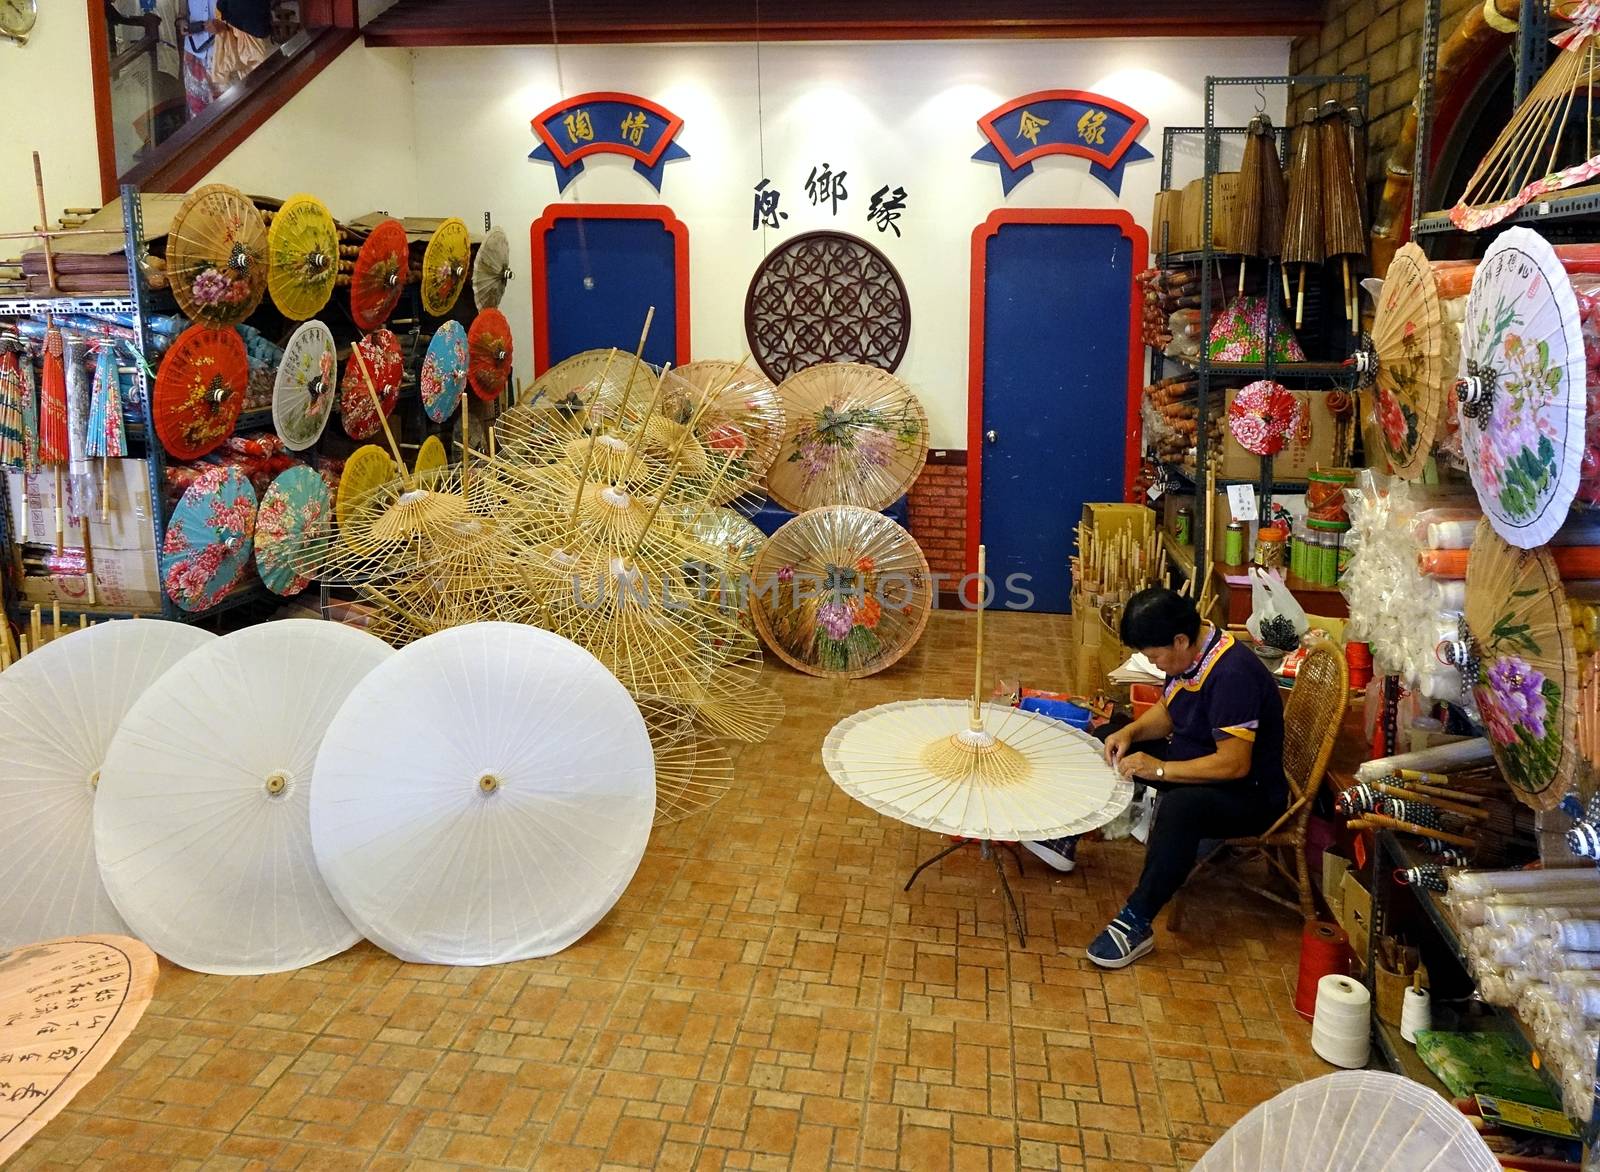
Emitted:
pixel 47 95
pixel 901 113
pixel 348 138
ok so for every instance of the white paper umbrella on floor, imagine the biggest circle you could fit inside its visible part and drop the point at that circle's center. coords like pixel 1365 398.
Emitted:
pixel 1355 1121
pixel 202 822
pixel 59 709
pixel 485 796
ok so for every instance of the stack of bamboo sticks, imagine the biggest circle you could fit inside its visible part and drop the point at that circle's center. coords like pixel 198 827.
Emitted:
pixel 36 634
pixel 1113 569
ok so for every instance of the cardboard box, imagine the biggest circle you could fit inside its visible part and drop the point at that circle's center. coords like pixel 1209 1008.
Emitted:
pixel 1296 459
pixel 1356 910
pixel 1334 869
pixel 1113 517
pixel 124 580
pixel 128 525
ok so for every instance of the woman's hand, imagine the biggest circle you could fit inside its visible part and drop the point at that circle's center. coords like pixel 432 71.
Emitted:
pixel 1138 764
pixel 1117 744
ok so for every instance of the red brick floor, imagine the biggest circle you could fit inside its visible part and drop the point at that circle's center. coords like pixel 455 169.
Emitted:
pixel 763 996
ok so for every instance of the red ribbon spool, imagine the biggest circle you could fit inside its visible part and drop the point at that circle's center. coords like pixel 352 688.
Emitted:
pixel 1324 949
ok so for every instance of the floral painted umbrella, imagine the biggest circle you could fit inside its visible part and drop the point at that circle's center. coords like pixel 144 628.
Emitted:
pixel 296 513
pixel 303 393
pixel 855 435
pixel 841 592
pixel 1263 416
pixel 1405 361
pixel 303 257
pixel 381 349
pixel 746 413
pixel 1520 654
pixel 444 371
pixel 209 539
pixel 1521 386
pixel 217 256
pixel 379 275
pixel 444 267
pixel 489 344
pixel 200 390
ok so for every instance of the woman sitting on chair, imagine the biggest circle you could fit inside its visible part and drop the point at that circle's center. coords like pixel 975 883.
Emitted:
pixel 1213 745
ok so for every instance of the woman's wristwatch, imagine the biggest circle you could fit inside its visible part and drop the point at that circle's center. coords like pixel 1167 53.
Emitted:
pixel 1161 772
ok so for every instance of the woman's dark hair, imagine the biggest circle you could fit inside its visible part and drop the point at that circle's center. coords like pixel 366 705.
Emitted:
pixel 1156 617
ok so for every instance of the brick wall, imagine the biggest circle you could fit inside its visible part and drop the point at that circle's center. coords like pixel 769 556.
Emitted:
pixel 939 513
pixel 1383 39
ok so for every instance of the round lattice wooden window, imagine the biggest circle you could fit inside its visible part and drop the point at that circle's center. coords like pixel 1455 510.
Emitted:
pixel 826 297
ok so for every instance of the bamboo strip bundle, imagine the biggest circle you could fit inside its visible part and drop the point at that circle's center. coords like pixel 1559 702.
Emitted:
pixel 1114 570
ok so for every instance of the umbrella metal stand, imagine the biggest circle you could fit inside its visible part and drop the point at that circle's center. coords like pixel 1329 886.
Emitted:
pixel 986 851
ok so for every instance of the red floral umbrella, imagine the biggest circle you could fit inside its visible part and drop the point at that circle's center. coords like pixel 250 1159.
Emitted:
pixel 489 347
pixel 379 275
pixel 200 390
pixel 381 349
pixel 1263 416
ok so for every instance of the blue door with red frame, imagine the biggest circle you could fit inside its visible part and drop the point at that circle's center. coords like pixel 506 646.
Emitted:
pixel 1050 422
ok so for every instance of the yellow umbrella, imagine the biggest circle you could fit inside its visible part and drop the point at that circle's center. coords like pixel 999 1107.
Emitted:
pixel 302 257
pixel 444 267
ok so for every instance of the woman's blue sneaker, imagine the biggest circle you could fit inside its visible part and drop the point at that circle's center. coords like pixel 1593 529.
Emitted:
pixel 1124 941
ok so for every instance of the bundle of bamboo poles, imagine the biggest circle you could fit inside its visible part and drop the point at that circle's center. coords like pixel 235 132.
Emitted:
pixel 1113 569
pixel 35 634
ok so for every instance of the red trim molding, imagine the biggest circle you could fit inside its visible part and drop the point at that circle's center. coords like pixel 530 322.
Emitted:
pixel 203 142
pixel 605 211
pixel 980 239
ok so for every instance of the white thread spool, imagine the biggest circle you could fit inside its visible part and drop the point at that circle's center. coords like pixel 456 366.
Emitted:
pixel 1416 1013
pixel 1341 1026
pixel 1451 534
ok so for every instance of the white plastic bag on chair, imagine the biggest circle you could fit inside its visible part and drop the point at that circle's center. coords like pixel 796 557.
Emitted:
pixel 1268 597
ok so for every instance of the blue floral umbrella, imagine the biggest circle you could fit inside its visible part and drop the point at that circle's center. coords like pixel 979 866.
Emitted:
pixel 444 371
pixel 296 513
pixel 1522 388
pixel 209 539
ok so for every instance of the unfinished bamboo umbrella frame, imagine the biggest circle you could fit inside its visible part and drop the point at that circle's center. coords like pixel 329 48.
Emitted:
pixel 978 771
pixel 202 823
pixel 60 706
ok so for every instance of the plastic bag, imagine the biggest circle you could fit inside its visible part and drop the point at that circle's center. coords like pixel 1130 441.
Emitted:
pixel 1268 597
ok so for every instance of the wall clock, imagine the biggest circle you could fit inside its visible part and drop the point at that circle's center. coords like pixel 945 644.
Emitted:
pixel 17 18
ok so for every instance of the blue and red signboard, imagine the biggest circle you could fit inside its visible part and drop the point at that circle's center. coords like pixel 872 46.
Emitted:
pixel 607 123
pixel 1062 122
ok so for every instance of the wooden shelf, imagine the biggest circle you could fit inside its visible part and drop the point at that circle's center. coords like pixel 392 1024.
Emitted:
pixel 1181 557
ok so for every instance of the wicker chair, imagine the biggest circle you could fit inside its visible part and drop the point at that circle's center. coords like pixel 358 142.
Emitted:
pixel 1311 719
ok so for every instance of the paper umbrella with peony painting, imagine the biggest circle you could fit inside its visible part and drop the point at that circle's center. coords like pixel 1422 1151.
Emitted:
pixel 1264 416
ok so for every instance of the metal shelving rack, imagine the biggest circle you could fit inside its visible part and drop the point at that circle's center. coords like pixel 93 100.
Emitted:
pixel 137 303
pixel 1324 375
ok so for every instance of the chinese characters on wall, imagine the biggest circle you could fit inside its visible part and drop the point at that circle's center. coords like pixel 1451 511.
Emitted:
pixel 827 188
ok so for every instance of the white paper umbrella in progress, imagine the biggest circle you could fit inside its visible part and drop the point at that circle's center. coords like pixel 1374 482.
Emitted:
pixel 59 709
pixel 202 823
pixel 485 796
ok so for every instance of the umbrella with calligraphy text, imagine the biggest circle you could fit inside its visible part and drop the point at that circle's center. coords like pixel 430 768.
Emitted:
pixel 65 1007
pixel 60 706
pixel 306 385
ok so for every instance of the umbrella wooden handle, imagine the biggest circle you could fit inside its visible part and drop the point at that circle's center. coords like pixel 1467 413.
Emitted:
pixel 1422 831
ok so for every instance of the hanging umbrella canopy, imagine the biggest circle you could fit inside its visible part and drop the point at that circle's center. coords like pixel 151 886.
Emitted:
pixel 491 270
pixel 1303 240
pixel 217 256
pixel 37 983
pixel 444 371
pixel 106 435
pixel 1520 655
pixel 209 539
pixel 1262 197
pixel 202 824
pixel 60 705
pixel 379 276
pixel 484 796
pixel 302 257
pixel 854 435
pixel 368 469
pixel 13 443
pixel 431 456
pixel 200 391
pixel 295 512
pixel 305 387
pixel 841 592
pixel 1406 361
pixel 444 267
pixel 746 413
pixel 54 445
pixel 489 347
pixel 1263 416
pixel 1521 386
pixel 385 364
